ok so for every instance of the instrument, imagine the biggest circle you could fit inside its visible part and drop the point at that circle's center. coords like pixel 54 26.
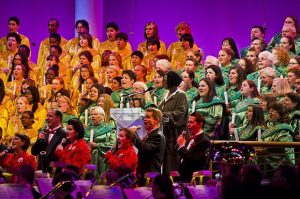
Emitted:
pixel 43 159
pixel 63 187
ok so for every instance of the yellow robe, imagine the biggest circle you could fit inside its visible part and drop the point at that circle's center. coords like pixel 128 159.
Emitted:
pixel 6 59
pixel 3 117
pixel 111 45
pixel 178 55
pixel 39 117
pixel 24 40
pixel 96 59
pixel 72 43
pixel 44 50
pixel 149 63
pixel 14 126
pixel 10 88
pixel 126 57
pixel 143 48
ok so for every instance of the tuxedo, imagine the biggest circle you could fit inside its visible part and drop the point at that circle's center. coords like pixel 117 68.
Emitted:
pixel 193 156
pixel 49 147
pixel 150 152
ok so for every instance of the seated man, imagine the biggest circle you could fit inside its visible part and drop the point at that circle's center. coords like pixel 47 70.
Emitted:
pixel 193 153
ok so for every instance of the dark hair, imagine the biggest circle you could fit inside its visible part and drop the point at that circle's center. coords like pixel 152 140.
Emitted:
pixel 263 43
pixel 261 29
pixel 56 36
pixel 55 69
pixel 255 92
pixel 191 75
pixel 100 89
pixel 269 98
pixel 241 76
pixel 233 47
pixel 258 116
pixel 2 90
pixel 163 56
pixel 155 29
pixel 249 66
pixel 219 78
pixel 188 37
pixel 16 36
pixel 58 48
pixel 91 71
pixel 78 127
pixel 112 25
pixel 87 54
pixel 156 114
pixel 84 23
pixel 122 35
pixel 173 79
pixel 88 37
pixel 295 19
pixel 164 183
pixel 295 98
pixel 24 70
pixel 105 58
pixel 211 89
pixel 137 53
pixel 56 21
pixel 130 73
pixel 26 48
pixel 199 117
pixel 154 41
pixel 57 113
pixel 51 56
pixel 35 97
pixel 30 113
pixel 118 79
pixel 282 111
pixel 15 19
pixel 24 138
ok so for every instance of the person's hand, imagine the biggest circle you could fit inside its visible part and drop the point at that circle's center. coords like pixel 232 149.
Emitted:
pixel 181 140
pixel 41 136
pixel 297 138
pixel 93 144
pixel 231 128
pixel 60 147
pixel 135 128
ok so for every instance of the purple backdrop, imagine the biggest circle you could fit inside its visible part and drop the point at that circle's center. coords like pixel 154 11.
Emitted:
pixel 210 20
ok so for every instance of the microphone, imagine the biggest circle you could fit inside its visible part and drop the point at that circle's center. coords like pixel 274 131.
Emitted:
pixel 148 90
pixel 64 142
pixel 6 151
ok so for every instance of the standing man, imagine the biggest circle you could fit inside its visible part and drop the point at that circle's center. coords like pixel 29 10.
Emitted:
pixel 151 147
pixel 49 138
pixel 193 153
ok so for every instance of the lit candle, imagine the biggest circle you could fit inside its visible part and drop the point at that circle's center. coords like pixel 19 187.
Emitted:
pixel 82 89
pixel 86 112
pixel 15 88
pixel 127 105
pixel 45 93
pixel 92 135
pixel 226 97
pixel 236 135
pixel 155 100
pixel 12 77
pixel 233 118
pixel 121 102
pixel 258 84
pixel 259 135
pixel 193 106
pixel 44 81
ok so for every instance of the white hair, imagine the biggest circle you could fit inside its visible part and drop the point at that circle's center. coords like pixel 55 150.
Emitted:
pixel 270 72
pixel 165 64
pixel 269 56
pixel 99 110
pixel 213 60
pixel 140 84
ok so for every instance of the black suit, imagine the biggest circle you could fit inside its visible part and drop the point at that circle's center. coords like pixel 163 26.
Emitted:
pixel 43 145
pixel 150 153
pixel 194 158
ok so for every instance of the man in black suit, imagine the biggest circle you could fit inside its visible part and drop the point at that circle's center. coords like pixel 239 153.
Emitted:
pixel 49 138
pixel 151 147
pixel 193 153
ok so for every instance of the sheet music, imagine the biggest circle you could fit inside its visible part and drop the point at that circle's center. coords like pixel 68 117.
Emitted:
pixel 44 185
pixel 140 192
pixel 15 191
pixel 203 191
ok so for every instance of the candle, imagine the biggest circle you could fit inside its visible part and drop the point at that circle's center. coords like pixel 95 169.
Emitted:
pixel 127 105
pixel 44 81
pixel 86 112
pixel 45 93
pixel 258 84
pixel 226 97
pixel 121 102
pixel 15 88
pixel 259 135
pixel 236 135
pixel 233 118
pixel 155 100
pixel 12 77
pixel 82 89
pixel 194 106
pixel 92 135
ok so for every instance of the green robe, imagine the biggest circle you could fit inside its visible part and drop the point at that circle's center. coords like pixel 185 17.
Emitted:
pixel 278 132
pixel 159 93
pixel 116 98
pixel 234 96
pixel 249 132
pixel 82 115
pixel 191 94
pixel 241 108
pixel 212 111
pixel 66 117
pixel 220 89
pixel 117 95
pixel 294 118
pixel 105 137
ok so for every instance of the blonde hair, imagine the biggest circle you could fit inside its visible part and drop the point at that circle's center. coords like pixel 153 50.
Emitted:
pixel 108 104
pixel 282 86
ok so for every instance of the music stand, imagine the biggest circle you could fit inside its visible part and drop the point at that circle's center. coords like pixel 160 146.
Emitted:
pixel 127 117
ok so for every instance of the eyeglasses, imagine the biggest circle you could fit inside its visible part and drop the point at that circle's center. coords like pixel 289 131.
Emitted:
pixel 293 63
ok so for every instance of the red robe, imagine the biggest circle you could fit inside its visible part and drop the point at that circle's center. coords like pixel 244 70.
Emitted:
pixel 122 158
pixel 12 161
pixel 77 154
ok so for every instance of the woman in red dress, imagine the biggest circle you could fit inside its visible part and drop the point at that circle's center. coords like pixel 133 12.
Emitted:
pixel 16 156
pixel 124 156
pixel 75 150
